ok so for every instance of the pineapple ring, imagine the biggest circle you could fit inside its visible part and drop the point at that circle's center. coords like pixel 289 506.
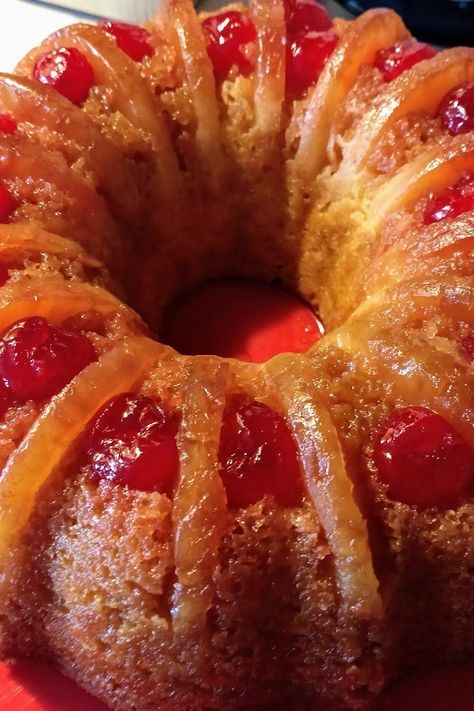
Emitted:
pixel 86 212
pixel 199 506
pixel 432 374
pixel 433 170
pixel 457 259
pixel 445 248
pixel 268 17
pixel 432 239
pixel 422 88
pixel 188 36
pixel 359 45
pixel 60 424
pixel 27 239
pixel 411 301
pixel 44 107
pixel 329 486
pixel 57 301
pixel 114 69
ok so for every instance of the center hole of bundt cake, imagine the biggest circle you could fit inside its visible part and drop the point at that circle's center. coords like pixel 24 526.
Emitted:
pixel 236 318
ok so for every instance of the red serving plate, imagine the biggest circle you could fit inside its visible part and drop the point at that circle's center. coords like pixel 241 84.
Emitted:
pixel 37 687
pixel 30 686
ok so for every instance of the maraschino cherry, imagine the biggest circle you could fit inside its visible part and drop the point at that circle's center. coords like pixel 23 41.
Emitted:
pixel 68 71
pixel 37 359
pixel 258 456
pixel 7 203
pixel 422 459
pixel 306 57
pixel 5 400
pixel 131 39
pixel 456 110
pixel 306 16
pixel 8 124
pixel 451 202
pixel 310 42
pixel 395 60
pixel 132 442
pixel 227 35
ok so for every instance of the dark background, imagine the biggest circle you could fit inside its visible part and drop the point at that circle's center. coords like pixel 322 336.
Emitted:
pixel 445 22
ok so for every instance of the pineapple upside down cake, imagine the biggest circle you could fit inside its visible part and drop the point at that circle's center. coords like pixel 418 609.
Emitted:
pixel 190 532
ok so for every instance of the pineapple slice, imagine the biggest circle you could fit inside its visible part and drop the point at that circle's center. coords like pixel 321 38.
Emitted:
pixel 420 89
pixel 127 91
pixel 75 132
pixel 444 248
pixel 409 303
pixel 50 192
pixel 359 44
pixel 58 300
pixel 199 507
pixel 55 431
pixel 25 239
pixel 328 485
pixel 181 16
pixel 421 370
pixel 432 171
pixel 268 17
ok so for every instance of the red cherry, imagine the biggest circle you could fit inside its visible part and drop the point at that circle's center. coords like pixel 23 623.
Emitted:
pixel 306 16
pixel 38 359
pixel 306 56
pixel 7 400
pixel 456 110
pixel 258 456
pixel 422 459
pixel 131 39
pixel 68 71
pixel 7 203
pixel 8 125
pixel 226 35
pixel 452 201
pixel 395 60
pixel 132 442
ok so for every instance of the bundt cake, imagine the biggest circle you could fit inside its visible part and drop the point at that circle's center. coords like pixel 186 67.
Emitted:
pixel 195 532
